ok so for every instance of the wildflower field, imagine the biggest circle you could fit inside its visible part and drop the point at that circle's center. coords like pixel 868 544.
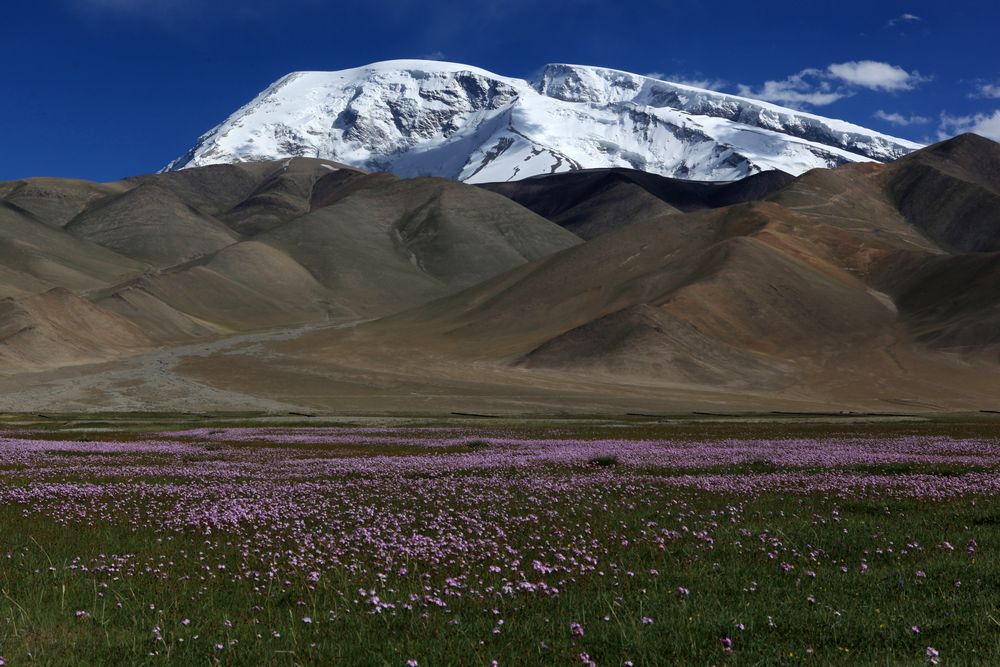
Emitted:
pixel 507 543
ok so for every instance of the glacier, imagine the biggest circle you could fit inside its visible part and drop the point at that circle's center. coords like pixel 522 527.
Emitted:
pixel 433 118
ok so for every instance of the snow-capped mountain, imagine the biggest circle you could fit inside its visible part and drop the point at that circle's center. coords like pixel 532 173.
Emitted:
pixel 414 117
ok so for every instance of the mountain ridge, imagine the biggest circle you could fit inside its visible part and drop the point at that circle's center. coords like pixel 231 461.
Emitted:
pixel 431 118
pixel 313 285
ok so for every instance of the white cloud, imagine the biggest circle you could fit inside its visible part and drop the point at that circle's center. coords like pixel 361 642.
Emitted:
pixel 808 87
pixel 433 55
pixel 875 75
pixel 904 18
pixel 988 90
pixel 900 119
pixel 819 87
pixel 984 124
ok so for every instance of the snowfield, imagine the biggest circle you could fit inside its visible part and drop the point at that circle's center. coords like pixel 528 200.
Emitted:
pixel 430 118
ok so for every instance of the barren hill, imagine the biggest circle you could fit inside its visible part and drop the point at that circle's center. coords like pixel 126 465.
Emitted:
pixel 307 284
pixel 591 202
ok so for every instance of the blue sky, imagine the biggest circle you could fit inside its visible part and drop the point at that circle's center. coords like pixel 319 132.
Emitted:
pixel 101 89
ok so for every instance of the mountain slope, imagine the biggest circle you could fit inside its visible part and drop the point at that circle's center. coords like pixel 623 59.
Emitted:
pixel 233 248
pixel 151 224
pixel 37 255
pixel 952 192
pixel 405 242
pixel 428 118
pixel 339 290
pixel 648 342
pixel 58 328
pixel 823 291
pixel 592 202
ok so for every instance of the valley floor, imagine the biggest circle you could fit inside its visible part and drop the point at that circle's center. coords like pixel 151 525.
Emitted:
pixel 247 538
pixel 323 369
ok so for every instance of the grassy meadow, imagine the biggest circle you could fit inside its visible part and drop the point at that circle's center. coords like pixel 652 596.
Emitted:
pixel 641 542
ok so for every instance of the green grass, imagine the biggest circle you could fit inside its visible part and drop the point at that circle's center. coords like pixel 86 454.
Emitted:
pixel 51 569
pixel 830 619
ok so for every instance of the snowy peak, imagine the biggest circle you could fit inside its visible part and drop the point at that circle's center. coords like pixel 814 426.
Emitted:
pixel 573 83
pixel 415 117
pixel 576 83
